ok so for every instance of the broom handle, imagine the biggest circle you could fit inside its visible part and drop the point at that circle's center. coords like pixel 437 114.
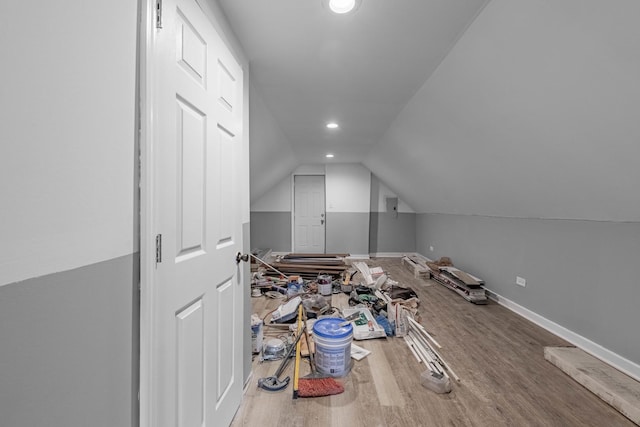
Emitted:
pixel 270 266
pixel 296 369
pixel 312 362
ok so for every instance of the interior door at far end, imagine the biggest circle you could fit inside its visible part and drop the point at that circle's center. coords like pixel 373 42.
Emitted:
pixel 309 214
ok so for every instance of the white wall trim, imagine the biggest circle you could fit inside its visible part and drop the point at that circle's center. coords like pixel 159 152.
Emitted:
pixel 624 365
pixel 147 100
pixel 387 254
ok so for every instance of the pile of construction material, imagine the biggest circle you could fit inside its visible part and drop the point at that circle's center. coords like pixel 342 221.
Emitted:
pixel 442 271
pixel 422 345
pixel 468 286
pixel 417 265
pixel 378 307
pixel 309 266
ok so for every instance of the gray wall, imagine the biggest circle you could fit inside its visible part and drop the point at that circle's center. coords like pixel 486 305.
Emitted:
pixel 347 233
pixel 392 224
pixel 69 347
pixel 392 232
pixel 582 275
pixel 271 230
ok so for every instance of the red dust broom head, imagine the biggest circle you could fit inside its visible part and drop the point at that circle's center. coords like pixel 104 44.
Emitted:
pixel 316 387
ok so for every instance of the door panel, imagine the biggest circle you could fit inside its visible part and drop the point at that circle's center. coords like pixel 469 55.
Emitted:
pixel 191 163
pixel 226 186
pixel 227 85
pixel 191 50
pixel 190 324
pixel 309 214
pixel 226 332
pixel 198 307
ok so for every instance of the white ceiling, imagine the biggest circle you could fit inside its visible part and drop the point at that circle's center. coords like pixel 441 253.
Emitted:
pixel 501 108
pixel 312 66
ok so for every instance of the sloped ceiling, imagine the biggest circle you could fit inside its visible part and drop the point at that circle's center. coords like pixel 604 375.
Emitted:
pixel 309 66
pixel 534 111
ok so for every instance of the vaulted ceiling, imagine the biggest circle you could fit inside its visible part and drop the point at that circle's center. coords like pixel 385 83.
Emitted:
pixel 525 109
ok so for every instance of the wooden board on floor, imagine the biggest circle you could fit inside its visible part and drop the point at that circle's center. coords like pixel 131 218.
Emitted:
pixel 617 389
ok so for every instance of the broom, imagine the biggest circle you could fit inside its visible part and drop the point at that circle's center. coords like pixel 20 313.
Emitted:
pixel 314 384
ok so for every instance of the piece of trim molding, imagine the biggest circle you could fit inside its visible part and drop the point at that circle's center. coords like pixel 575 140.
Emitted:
pixel 358 256
pixel 422 257
pixel 596 350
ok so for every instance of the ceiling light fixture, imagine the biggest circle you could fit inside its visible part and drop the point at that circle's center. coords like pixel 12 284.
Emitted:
pixel 332 125
pixel 329 156
pixel 342 6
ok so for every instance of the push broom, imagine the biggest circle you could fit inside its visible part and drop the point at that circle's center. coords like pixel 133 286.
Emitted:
pixel 314 384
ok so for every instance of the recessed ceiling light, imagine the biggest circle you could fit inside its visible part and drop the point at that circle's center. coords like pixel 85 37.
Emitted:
pixel 342 6
pixel 332 125
pixel 329 156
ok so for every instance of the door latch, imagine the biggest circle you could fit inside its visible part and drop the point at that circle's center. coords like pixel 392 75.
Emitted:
pixel 241 257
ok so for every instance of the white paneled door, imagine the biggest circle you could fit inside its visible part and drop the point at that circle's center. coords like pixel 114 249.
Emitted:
pixel 197 311
pixel 309 214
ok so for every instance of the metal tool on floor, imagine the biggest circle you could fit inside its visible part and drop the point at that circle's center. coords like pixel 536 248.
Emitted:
pixel 273 383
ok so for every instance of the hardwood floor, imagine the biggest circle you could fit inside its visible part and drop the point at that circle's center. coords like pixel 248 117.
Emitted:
pixel 498 355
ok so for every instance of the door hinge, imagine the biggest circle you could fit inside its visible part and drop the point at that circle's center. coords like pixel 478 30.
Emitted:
pixel 158 13
pixel 158 248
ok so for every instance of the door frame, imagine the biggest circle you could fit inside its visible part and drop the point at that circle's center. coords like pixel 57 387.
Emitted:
pixel 147 105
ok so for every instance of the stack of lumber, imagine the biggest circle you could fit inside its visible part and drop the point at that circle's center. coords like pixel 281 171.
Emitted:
pixel 417 265
pixel 309 266
pixel 468 286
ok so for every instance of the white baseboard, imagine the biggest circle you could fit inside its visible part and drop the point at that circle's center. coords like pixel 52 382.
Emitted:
pixel 620 363
pixel 387 254
pixel 397 255
pixel 247 382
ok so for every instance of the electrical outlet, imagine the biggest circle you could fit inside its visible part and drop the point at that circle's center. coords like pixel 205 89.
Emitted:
pixel 431 248
pixel 520 281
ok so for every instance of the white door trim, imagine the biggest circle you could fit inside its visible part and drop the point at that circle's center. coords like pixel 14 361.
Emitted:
pixel 147 104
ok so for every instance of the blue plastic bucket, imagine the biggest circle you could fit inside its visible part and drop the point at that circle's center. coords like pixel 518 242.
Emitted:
pixel 333 346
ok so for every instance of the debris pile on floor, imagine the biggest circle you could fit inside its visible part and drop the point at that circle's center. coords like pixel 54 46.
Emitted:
pixel 379 307
pixel 468 286
pixel 309 266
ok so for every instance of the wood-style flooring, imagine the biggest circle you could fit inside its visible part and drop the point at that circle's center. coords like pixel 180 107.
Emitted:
pixel 498 355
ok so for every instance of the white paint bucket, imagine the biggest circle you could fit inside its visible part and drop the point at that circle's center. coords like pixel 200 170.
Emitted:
pixel 333 346
pixel 325 284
